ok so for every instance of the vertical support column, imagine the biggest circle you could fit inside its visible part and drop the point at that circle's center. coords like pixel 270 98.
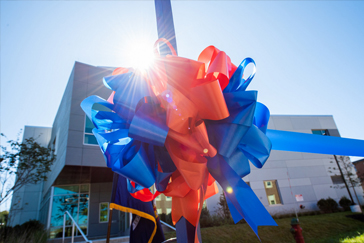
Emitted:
pixel 165 25
pixel 73 232
pixel 109 226
pixel 64 227
pixel 50 208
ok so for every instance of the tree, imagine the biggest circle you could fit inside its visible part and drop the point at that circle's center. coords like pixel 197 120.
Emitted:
pixel 3 218
pixel 348 174
pixel 223 207
pixel 27 161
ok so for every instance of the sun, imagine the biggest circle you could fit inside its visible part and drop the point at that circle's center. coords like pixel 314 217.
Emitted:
pixel 140 54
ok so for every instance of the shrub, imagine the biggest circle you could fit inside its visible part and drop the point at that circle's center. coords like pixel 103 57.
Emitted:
pixel 31 231
pixel 207 220
pixel 345 203
pixel 328 205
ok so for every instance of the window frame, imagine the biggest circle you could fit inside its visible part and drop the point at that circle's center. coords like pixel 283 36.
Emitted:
pixel 87 133
pixel 274 183
pixel 78 207
pixel 326 132
pixel 108 212
pixel 337 181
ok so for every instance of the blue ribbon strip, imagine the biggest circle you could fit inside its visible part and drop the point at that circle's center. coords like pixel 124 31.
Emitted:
pixel 311 143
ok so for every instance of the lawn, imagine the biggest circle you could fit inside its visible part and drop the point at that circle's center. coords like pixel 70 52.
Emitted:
pixel 333 227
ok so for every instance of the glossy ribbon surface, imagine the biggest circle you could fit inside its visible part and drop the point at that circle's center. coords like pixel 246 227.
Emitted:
pixel 183 124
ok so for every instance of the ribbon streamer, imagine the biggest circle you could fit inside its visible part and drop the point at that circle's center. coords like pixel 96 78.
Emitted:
pixel 182 124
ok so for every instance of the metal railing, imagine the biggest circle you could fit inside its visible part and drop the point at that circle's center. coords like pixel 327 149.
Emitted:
pixel 73 228
pixel 169 226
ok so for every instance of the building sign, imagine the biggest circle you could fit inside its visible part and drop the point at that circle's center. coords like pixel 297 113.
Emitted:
pixel 299 198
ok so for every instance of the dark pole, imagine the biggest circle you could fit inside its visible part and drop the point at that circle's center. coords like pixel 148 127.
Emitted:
pixel 165 26
pixel 342 176
pixel 109 226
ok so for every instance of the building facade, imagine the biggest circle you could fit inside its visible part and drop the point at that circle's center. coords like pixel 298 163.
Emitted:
pixel 291 179
pixel 80 182
pixel 359 167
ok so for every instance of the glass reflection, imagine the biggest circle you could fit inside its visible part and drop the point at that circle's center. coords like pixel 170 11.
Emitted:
pixel 66 190
pixel 104 208
pixel 83 215
pixel 75 203
pixel 61 204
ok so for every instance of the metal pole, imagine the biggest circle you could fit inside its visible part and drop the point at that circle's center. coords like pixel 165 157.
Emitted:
pixel 165 25
pixel 64 227
pixel 109 226
pixel 73 232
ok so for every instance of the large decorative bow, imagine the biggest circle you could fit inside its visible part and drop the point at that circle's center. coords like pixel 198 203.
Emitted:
pixel 180 126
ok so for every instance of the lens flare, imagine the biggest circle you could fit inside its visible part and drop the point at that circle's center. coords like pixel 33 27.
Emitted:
pixel 229 190
pixel 140 54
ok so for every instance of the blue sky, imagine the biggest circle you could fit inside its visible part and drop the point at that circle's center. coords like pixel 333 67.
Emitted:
pixel 309 55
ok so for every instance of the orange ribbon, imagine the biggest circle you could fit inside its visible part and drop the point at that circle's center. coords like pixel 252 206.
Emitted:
pixel 189 91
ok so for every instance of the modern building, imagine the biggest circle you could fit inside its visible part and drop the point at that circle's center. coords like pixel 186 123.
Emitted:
pixel 80 182
pixel 291 179
pixel 359 167
pixel 26 201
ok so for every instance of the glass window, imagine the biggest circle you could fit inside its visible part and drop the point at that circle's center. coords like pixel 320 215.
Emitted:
pixel 169 210
pixel 268 184
pixel 168 198
pixel 83 209
pixel 66 190
pixel 61 204
pixel 89 136
pixel 84 188
pixel 69 199
pixel 159 198
pixel 337 179
pixel 88 125
pixel 320 132
pixel 84 230
pixel 159 210
pixel 90 139
pixel 104 212
pixel 271 189
pixel 54 145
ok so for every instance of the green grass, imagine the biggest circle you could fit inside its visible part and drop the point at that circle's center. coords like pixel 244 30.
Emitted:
pixel 333 227
pixel 359 238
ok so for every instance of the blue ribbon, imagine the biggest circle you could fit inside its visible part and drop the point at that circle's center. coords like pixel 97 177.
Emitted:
pixel 311 143
pixel 238 139
pixel 131 133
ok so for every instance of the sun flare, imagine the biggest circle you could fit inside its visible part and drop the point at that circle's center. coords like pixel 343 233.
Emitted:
pixel 140 54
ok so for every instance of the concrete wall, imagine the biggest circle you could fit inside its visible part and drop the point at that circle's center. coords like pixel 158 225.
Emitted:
pixel 302 173
pixel 60 134
pixel 101 192
pixel 68 127
pixel 87 81
pixel 26 201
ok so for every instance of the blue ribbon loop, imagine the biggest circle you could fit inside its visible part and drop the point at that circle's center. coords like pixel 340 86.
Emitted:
pixel 237 82
pixel 238 139
pixel 132 131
